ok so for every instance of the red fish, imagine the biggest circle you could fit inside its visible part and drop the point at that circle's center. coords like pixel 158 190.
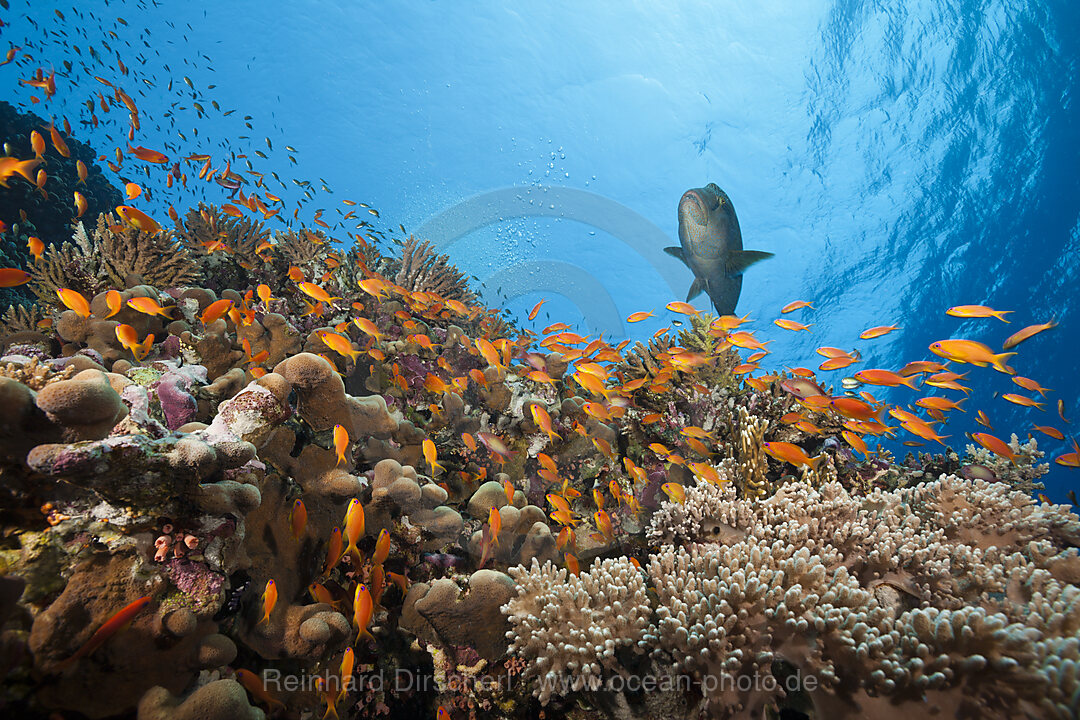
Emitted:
pixel 113 625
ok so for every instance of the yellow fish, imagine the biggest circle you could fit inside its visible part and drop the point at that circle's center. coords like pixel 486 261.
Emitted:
pixel 338 343
pixel 354 524
pixel 74 301
pixel 269 600
pixel 138 219
pixel 362 610
pixel 149 306
pixel 543 421
pixel 341 443
pixel 430 455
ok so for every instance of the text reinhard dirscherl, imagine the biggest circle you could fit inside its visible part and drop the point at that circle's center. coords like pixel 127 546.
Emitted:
pixel 406 680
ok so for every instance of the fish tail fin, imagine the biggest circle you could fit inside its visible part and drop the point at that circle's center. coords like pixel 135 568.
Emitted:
pixel 910 382
pixel 999 363
pixel 1000 315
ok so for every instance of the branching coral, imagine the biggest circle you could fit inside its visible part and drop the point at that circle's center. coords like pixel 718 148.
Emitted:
pixel 1024 475
pixel 424 271
pixel 112 256
pixel 956 594
pixel 20 318
pixel 225 247
pixel 752 463
pixel 570 627
pixel 643 360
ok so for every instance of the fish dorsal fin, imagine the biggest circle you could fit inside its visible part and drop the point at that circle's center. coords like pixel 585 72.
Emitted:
pixel 677 253
pixel 737 262
pixel 696 288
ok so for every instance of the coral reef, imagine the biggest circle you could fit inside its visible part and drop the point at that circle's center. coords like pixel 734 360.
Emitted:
pixel 241 455
pixel 956 592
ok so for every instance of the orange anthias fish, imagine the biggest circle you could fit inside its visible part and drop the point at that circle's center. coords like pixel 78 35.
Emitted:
pixel 362 611
pixel 790 453
pixel 367 327
pixel 683 308
pixel 1021 400
pixel 138 219
pixel 1050 431
pixel 269 600
pixel 355 523
pixel 970 351
pixel 977 311
pixel 341 443
pixel 129 338
pixel 489 353
pixel 639 316
pixel 995 445
pixel 81 204
pixel 543 421
pixel 333 551
pixel 382 547
pixel 793 306
pixel 14 166
pixel 314 291
pixel 35 246
pixel 603 524
pixel 886 378
pixel 263 291
pixel 114 624
pixel 148 155
pixel 114 301
pixel 149 306
pixel 298 518
pixel 1029 384
pixel 875 332
pixel 430 455
pixel 338 343
pixel 13 277
pixel 675 491
pixel 495 523
pixel 1022 335
pixel 536 309
pixel 216 310
pixel 495 445
pixel 254 685
pixel 347 660
pixel 923 429
pixel 790 325
pixel 74 301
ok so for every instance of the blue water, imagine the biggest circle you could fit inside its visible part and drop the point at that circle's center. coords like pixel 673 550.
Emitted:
pixel 897 157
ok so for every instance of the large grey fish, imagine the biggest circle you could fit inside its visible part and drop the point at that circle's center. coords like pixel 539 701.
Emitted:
pixel 711 246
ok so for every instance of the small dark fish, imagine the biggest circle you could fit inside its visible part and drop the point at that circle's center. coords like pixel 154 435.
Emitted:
pixel 239 582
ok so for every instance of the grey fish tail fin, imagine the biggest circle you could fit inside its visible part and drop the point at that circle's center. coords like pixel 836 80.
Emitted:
pixel 738 262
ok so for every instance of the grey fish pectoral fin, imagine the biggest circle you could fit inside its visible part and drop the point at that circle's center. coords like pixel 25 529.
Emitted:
pixel 677 253
pixel 696 288
pixel 737 262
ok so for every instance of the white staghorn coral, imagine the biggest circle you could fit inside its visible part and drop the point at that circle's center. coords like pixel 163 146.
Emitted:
pixel 958 595
pixel 569 626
